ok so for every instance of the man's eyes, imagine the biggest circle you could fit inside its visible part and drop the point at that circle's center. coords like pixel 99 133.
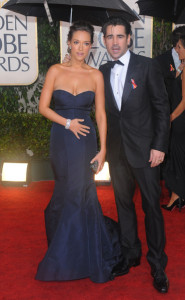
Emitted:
pixel 118 36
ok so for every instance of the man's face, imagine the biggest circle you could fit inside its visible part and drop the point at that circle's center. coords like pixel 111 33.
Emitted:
pixel 116 41
pixel 180 50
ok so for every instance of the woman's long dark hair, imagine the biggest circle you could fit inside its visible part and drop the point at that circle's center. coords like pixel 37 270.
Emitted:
pixel 81 26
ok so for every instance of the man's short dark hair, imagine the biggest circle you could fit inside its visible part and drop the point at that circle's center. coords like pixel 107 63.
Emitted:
pixel 176 34
pixel 114 21
pixel 182 39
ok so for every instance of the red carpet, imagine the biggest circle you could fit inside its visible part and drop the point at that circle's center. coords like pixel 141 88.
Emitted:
pixel 23 244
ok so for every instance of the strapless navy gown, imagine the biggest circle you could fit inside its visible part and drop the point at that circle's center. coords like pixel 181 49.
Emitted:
pixel 81 242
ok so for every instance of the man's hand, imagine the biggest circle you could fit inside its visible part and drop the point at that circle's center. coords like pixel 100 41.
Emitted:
pixel 156 157
pixel 67 58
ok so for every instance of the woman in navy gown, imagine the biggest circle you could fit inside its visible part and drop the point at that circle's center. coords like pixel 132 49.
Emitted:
pixel 175 167
pixel 81 242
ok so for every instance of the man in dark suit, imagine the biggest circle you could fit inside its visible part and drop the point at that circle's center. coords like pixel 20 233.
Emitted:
pixel 170 63
pixel 138 128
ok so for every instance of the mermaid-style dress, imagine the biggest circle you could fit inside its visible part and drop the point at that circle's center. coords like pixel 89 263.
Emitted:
pixel 81 242
pixel 174 172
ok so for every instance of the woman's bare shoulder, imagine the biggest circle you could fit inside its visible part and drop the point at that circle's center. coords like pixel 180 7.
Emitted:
pixel 96 73
pixel 54 70
pixel 183 82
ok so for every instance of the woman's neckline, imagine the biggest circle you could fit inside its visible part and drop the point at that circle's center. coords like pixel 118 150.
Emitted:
pixel 88 91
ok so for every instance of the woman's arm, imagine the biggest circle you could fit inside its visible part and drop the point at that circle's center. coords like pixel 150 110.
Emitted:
pixel 46 95
pixel 181 107
pixel 100 117
pixel 44 105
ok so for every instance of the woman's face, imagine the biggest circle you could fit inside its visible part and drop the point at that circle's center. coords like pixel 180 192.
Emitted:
pixel 180 50
pixel 80 44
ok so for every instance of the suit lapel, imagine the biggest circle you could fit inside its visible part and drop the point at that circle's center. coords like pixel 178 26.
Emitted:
pixel 128 84
pixel 172 68
pixel 169 65
pixel 171 60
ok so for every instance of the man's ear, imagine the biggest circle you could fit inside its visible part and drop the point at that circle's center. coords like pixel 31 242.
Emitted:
pixel 104 41
pixel 129 41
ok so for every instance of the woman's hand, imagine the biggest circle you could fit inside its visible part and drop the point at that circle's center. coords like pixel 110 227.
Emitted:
pixel 77 128
pixel 180 68
pixel 100 157
pixel 182 65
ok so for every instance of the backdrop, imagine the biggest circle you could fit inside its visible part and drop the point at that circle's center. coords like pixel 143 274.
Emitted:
pixel 18 48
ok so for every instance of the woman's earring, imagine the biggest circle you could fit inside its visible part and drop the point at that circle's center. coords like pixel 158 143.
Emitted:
pixel 69 49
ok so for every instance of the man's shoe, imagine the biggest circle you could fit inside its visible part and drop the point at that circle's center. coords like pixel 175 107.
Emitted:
pixel 120 269
pixel 160 283
pixel 123 267
pixel 134 262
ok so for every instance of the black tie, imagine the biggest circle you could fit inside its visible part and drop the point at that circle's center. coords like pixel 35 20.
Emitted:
pixel 113 62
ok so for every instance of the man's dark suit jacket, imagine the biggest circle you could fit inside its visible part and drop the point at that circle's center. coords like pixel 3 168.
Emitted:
pixel 168 69
pixel 143 122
